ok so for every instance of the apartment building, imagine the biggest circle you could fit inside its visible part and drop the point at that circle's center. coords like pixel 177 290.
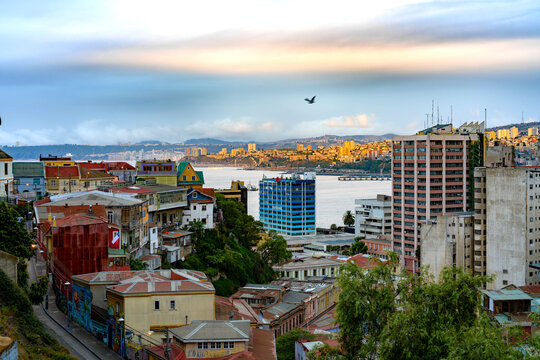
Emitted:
pixel 373 217
pixel 6 174
pixel 430 176
pixel 287 205
pixel 507 225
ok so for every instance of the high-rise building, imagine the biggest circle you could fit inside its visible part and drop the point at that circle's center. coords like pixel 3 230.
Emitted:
pixel 373 217
pixel 252 147
pixel 430 177
pixel 514 132
pixel 299 147
pixel 287 205
pixel 507 225
pixel 533 131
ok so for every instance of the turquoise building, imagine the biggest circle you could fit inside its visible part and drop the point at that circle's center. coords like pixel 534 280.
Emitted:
pixel 287 204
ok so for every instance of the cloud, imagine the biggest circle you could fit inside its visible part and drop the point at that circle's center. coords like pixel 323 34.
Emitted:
pixel 412 125
pixel 356 121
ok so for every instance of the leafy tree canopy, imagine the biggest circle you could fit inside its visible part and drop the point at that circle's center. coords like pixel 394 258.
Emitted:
pixel 274 249
pixel 285 343
pixel 348 218
pixel 358 247
pixel 14 238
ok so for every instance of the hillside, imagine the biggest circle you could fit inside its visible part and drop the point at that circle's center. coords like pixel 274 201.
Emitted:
pixel 522 127
pixel 17 320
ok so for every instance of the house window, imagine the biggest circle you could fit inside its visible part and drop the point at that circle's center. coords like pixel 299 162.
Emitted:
pixel 172 305
pixel 192 177
pixel 218 345
pixel 194 207
pixel 225 345
pixel 505 282
pixel 53 182
pixel 194 195
pixel 231 345
pixel 199 345
pixel 156 305
pixel 203 207
pixel 212 345
pixel 184 178
pixel 205 345
pixel 72 182
pixel 110 216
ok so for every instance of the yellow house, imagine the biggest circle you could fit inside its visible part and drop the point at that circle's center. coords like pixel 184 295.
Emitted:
pixel 188 177
pixel 212 339
pixel 163 171
pixel 56 161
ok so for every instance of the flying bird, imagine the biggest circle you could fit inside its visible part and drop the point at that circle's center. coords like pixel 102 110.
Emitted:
pixel 310 101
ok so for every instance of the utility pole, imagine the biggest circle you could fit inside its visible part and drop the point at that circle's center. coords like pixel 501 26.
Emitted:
pixel 167 345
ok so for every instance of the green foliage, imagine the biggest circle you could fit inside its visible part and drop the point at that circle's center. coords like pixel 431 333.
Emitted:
pixel 24 325
pixel 225 254
pixel 417 318
pixel 38 290
pixel 22 274
pixel 285 343
pixel 348 218
pixel 137 264
pixel 274 249
pixel 358 247
pixel 333 227
pixel 14 238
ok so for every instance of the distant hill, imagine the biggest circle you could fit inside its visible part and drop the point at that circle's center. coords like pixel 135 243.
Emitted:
pixel 101 152
pixel 522 127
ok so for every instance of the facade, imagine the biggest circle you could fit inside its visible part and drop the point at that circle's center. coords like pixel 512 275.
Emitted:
pixel 303 268
pixel 128 213
pixel 188 177
pixel 373 217
pixel 163 171
pixel 287 205
pixel 430 178
pixel 56 160
pixel 448 241
pixel 177 245
pixel 507 225
pixel 123 171
pixel 6 175
pixel 29 180
pixel 62 179
pixel 165 203
pixel 200 207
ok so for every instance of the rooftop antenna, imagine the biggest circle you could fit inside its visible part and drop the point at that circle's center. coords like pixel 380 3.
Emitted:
pixel 451 115
pixel 427 121
pixel 485 118
pixel 438 114
pixel 432 105
pixel 522 120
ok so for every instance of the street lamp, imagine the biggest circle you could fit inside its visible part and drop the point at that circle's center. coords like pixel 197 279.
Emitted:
pixel 67 284
pixel 123 337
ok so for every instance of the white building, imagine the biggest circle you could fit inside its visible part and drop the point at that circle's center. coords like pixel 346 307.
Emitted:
pixel 6 174
pixel 373 217
pixel 200 207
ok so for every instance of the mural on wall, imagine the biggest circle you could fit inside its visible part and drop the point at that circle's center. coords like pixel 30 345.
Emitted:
pixel 81 302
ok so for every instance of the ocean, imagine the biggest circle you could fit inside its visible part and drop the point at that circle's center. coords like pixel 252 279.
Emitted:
pixel 333 197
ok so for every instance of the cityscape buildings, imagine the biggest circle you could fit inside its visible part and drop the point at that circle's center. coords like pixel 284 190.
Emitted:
pixel 373 217
pixel 430 173
pixel 287 204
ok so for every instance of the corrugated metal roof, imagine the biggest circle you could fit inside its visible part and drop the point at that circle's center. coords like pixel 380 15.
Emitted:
pixel 213 330
pixel 28 169
pixel 503 294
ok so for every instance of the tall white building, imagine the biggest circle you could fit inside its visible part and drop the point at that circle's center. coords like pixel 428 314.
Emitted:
pixel 373 217
pixel 6 174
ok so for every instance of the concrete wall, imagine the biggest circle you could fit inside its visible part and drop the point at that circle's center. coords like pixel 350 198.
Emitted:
pixel 506 226
pixel 8 264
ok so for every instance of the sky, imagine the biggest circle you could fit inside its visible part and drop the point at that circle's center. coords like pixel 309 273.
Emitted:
pixel 106 72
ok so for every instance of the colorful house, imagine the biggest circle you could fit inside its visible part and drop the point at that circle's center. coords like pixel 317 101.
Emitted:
pixel 201 207
pixel 62 179
pixel 188 177
pixel 56 161
pixel 29 180
pixel 163 171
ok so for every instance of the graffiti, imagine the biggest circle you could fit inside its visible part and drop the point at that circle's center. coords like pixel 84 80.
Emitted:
pixel 80 307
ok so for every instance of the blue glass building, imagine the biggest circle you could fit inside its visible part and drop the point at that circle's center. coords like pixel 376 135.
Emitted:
pixel 287 205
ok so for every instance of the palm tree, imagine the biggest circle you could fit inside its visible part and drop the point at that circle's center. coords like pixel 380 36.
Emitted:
pixel 348 218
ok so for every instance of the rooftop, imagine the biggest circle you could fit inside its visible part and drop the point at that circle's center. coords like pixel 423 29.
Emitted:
pixel 28 169
pixel 4 155
pixel 503 294
pixel 231 330
pixel 61 171
pixel 307 262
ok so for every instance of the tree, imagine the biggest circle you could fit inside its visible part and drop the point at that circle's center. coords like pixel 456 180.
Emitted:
pixel 14 238
pixel 348 218
pixel 285 343
pixel 333 227
pixel 274 249
pixel 22 274
pixel 415 317
pixel 137 264
pixel 358 247
pixel 38 290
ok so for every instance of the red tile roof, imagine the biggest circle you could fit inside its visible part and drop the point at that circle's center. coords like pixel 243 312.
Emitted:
pixel 531 289
pixel 78 220
pixel 93 166
pixel 119 165
pixel 208 191
pixel 61 171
